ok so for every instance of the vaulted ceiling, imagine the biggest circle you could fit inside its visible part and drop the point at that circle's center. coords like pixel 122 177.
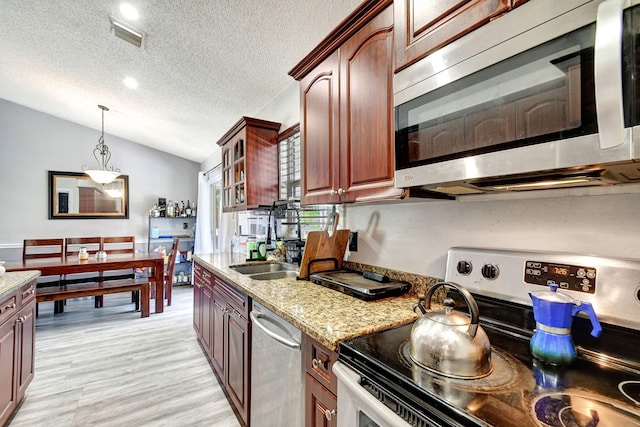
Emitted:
pixel 204 64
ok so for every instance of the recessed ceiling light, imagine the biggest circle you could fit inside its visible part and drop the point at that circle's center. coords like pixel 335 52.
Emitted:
pixel 128 11
pixel 130 82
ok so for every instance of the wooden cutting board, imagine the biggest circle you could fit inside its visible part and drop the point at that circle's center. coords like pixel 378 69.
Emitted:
pixel 322 245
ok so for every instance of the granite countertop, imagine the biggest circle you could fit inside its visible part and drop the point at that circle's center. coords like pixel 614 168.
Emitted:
pixel 324 314
pixel 13 280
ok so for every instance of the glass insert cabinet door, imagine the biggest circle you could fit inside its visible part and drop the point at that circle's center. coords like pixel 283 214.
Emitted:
pixel 74 195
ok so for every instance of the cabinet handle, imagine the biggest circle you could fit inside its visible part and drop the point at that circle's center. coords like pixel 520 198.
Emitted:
pixel 341 191
pixel 20 319
pixel 333 192
pixel 329 414
pixel 317 363
pixel 10 306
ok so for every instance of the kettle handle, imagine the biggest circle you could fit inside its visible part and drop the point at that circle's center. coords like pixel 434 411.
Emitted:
pixel 587 308
pixel 471 304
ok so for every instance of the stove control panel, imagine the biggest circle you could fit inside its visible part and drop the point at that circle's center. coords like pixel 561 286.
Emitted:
pixel 610 285
pixel 569 277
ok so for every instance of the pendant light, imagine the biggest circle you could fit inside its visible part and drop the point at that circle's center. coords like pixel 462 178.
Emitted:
pixel 104 174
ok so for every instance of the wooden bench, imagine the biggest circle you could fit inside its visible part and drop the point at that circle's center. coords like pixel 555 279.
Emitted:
pixel 97 288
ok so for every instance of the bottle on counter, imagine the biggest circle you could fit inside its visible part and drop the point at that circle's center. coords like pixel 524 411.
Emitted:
pixel 188 209
pixel 170 209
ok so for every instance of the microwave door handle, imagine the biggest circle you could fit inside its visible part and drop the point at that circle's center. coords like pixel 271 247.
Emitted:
pixel 608 73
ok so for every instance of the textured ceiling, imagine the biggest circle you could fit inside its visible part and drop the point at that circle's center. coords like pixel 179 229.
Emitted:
pixel 205 63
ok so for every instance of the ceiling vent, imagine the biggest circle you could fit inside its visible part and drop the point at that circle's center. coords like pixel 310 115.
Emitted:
pixel 127 32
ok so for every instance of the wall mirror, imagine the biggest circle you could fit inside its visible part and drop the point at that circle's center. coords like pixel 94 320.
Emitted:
pixel 73 195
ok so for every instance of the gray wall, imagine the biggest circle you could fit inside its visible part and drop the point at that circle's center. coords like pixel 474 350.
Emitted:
pixel 32 143
pixel 415 237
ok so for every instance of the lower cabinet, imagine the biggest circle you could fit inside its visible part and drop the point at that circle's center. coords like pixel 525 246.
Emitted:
pixel 17 333
pixel 320 384
pixel 221 321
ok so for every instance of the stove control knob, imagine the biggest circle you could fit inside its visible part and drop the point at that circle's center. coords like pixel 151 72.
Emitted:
pixel 464 268
pixel 490 271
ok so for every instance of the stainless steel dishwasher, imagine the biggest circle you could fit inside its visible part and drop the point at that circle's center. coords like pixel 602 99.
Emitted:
pixel 277 397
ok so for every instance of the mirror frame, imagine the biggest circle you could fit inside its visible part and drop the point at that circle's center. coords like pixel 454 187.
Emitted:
pixel 53 200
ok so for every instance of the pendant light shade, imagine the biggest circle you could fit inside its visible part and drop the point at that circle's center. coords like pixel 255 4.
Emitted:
pixel 104 174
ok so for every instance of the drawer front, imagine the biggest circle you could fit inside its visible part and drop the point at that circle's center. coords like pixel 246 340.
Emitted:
pixel 203 276
pixel 8 307
pixel 318 361
pixel 236 299
pixel 27 293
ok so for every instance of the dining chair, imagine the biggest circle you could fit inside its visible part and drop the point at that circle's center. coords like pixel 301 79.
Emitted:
pixel 118 245
pixel 72 247
pixel 42 248
pixel 168 273
pixel 45 248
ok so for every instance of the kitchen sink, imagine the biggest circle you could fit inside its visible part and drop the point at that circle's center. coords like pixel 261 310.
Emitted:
pixel 275 275
pixel 262 268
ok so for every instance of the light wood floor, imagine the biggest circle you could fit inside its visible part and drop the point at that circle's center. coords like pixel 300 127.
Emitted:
pixel 110 367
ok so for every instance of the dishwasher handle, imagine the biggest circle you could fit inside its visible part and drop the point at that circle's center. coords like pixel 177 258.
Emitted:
pixel 255 318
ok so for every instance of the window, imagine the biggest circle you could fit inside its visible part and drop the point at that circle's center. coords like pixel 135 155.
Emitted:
pixel 289 161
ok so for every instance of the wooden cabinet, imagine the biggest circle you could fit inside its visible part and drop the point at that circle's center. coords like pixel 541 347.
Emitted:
pixel 321 385
pixel 319 132
pixel 422 27
pixel 203 307
pixel 346 122
pixel 221 321
pixel 321 405
pixel 231 355
pixel 249 164
pixel 17 344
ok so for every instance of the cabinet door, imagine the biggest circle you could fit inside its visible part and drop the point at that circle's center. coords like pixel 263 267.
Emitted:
pixel 197 306
pixel 237 367
pixel 319 132
pixel 8 397
pixel 366 110
pixel 422 26
pixel 227 176
pixel 218 310
pixel 26 354
pixel 207 316
pixel 320 405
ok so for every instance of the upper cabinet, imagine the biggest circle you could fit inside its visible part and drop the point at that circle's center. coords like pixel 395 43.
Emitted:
pixel 422 27
pixel 346 120
pixel 249 164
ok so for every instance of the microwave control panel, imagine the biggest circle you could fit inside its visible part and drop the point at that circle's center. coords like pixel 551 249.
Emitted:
pixel 569 277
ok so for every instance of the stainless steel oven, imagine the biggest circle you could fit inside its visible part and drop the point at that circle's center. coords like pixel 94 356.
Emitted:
pixel 359 408
pixel 379 385
pixel 545 96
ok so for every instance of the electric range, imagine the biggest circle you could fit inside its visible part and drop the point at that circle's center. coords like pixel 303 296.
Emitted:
pixel 601 388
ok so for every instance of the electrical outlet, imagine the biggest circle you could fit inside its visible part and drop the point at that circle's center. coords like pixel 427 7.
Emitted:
pixel 185 225
pixel 353 241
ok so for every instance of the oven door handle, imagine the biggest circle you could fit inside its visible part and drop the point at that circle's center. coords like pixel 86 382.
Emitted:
pixel 608 74
pixel 350 380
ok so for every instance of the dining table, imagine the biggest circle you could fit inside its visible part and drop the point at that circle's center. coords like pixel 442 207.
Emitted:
pixel 72 264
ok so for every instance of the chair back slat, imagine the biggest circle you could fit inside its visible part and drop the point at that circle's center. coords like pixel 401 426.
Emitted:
pixel 119 245
pixel 72 245
pixel 172 262
pixel 42 248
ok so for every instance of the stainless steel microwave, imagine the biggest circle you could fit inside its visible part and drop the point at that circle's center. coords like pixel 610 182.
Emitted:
pixel 546 96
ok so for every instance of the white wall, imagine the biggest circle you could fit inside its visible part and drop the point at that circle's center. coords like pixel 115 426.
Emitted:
pixel 32 143
pixel 415 237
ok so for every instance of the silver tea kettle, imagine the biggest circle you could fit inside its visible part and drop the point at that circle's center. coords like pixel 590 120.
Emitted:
pixel 448 342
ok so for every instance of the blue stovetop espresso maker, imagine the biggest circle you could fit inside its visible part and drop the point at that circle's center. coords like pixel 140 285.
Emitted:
pixel 553 312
